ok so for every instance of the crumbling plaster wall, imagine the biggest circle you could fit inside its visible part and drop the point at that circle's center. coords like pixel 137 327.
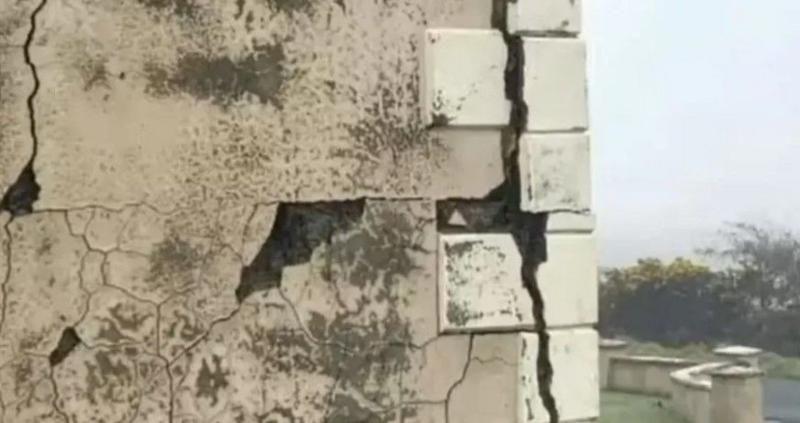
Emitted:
pixel 292 210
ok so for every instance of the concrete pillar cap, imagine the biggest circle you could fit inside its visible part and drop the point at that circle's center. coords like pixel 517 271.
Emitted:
pixel 737 350
pixel 612 344
pixel 736 372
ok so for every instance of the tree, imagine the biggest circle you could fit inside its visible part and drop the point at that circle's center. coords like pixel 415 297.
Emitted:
pixel 763 264
pixel 754 299
pixel 671 302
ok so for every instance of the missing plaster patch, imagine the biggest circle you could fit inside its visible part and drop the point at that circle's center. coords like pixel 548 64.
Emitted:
pixel 298 230
pixel 68 342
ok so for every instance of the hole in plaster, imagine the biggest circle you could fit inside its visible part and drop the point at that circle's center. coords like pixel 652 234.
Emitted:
pixel 19 198
pixel 68 342
pixel 298 230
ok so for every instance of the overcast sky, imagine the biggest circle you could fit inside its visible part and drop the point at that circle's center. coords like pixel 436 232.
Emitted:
pixel 695 120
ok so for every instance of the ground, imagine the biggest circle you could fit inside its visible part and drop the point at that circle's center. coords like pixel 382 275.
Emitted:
pixel 626 408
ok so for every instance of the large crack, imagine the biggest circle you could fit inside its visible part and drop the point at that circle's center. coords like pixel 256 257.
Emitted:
pixel 529 230
pixel 529 235
pixel 460 380
pixel 20 196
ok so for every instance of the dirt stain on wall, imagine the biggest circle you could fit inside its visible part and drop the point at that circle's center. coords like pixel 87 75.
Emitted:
pixel 223 79
pixel 180 8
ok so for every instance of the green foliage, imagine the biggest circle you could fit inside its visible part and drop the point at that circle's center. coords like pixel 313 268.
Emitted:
pixel 777 366
pixel 653 271
pixel 752 300
pixel 665 302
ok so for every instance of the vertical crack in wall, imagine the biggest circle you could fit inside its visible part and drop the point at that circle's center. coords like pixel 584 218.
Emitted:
pixel 171 383
pixel 460 380
pixel 298 230
pixel 167 366
pixel 529 230
pixel 529 233
pixel 7 276
pixel 55 402
pixel 68 342
pixel 20 196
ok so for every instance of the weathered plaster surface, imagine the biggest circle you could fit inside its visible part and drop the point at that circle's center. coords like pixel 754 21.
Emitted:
pixel 228 211
pixel 172 102
pixel 16 84
pixel 138 313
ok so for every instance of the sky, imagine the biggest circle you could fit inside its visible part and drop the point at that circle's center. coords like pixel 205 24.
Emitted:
pixel 695 116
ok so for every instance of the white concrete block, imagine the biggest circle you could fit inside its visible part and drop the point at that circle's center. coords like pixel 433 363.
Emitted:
pixel 481 289
pixel 556 173
pixel 478 150
pixel 463 82
pixel 530 17
pixel 740 354
pixel 569 279
pixel 501 383
pixel 555 84
pixel 575 387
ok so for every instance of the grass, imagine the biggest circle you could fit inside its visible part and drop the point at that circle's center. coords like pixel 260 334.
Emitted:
pixel 774 365
pixel 626 408
pixel 781 367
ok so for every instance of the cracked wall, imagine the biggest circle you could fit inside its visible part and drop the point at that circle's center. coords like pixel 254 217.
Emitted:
pixel 294 211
